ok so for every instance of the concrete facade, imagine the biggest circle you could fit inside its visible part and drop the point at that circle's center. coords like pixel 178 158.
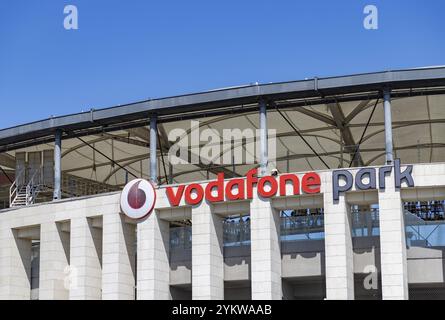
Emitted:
pixel 89 250
pixel 207 254
pixel 265 250
pixel 85 261
pixel 153 270
pixel 54 253
pixel 338 249
pixel 392 244
pixel 119 258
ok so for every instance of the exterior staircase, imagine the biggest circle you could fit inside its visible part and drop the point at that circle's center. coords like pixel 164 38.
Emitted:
pixel 20 199
pixel 23 195
pixel 38 188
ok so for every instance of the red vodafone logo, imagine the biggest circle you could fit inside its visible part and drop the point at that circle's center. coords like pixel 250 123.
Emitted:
pixel 138 199
pixel 241 189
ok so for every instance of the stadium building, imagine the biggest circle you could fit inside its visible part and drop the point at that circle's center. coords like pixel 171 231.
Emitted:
pixel 350 205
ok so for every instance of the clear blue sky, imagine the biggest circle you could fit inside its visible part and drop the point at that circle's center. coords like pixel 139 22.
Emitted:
pixel 125 51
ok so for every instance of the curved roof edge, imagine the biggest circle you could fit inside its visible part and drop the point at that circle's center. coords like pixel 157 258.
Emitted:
pixel 98 120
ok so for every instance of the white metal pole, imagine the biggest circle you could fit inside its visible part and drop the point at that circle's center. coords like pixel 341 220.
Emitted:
pixel 388 126
pixel 57 165
pixel 263 138
pixel 153 147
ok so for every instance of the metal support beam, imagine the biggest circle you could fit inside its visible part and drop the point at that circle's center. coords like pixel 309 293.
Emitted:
pixel 345 131
pixel 301 136
pixel 143 134
pixel 153 148
pixel 388 126
pixel 263 138
pixel 287 161
pixel 313 114
pixel 57 165
pixel 170 173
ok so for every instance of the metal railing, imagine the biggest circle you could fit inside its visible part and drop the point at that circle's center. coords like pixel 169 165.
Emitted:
pixel 33 186
pixel 181 238
pixel 180 244
pixel 72 186
pixel 305 227
pixel 421 233
pixel 26 194
pixel 236 232
pixel 14 189
pixel 76 186
pixel 365 223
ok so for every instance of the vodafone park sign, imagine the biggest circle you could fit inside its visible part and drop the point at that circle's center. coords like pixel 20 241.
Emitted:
pixel 138 198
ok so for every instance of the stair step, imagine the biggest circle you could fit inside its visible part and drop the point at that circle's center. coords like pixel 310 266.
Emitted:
pixel 25 195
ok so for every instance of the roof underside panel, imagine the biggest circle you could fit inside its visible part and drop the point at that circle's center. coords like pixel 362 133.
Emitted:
pixel 418 133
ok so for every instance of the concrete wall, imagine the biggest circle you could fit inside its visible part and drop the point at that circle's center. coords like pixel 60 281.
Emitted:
pixel 421 259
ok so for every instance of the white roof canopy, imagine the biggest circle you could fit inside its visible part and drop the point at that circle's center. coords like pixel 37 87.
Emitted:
pixel 334 130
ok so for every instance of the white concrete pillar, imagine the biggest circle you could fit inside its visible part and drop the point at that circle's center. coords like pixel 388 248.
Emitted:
pixel 392 243
pixel 207 254
pixel 118 259
pixel 15 266
pixel 338 248
pixel 265 250
pixel 85 260
pixel 153 267
pixel 54 262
